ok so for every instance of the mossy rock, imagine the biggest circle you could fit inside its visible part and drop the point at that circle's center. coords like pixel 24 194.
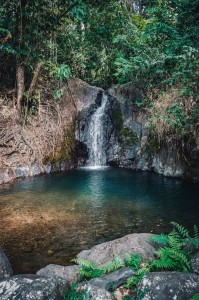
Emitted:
pixel 66 149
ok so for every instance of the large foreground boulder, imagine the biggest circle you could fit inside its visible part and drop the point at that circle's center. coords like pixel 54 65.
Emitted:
pixel 70 273
pixel 168 286
pixel 5 267
pixel 131 243
pixel 32 287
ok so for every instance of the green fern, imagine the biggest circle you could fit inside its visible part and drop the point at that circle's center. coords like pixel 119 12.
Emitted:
pixel 196 232
pixel 183 232
pixel 88 269
pixel 172 259
pixel 91 270
pixel 133 281
pixel 133 261
pixel 161 239
pixel 113 265
pixel 85 263
pixel 195 297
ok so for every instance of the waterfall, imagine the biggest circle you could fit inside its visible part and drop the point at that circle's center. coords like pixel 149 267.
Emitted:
pixel 97 136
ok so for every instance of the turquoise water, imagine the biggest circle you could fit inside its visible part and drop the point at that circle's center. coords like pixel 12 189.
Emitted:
pixel 51 218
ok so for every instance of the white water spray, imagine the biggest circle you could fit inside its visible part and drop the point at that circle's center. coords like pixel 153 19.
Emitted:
pixel 96 136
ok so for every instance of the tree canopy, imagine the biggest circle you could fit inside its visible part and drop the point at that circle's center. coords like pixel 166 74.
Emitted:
pixel 151 43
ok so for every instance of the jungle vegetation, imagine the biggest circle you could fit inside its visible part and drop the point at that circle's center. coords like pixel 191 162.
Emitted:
pixel 150 44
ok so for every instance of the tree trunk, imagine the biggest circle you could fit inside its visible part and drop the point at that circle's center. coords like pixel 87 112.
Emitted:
pixel 20 85
pixel 34 79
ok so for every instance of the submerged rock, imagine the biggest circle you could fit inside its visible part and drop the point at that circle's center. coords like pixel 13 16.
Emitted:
pixel 132 243
pixel 5 267
pixel 32 287
pixel 113 280
pixel 68 273
pixel 168 286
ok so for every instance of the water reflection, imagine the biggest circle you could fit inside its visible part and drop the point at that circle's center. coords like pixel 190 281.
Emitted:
pixel 49 219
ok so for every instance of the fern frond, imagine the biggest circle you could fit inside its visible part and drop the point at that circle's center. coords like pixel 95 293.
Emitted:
pixel 182 231
pixel 196 232
pixel 195 297
pixel 160 264
pixel 133 261
pixel 113 265
pixel 175 241
pixel 182 257
pixel 161 239
pixel 133 281
pixel 86 263
pixel 194 242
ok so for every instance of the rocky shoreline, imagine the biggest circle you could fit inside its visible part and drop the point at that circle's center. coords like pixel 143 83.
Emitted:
pixel 51 281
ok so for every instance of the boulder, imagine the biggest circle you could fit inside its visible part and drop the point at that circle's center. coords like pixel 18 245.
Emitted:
pixel 132 243
pixel 97 293
pixel 67 273
pixel 5 267
pixel 168 286
pixel 6 175
pixel 32 287
pixel 195 263
pixel 113 280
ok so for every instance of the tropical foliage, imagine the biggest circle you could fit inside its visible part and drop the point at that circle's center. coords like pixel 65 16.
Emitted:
pixel 153 44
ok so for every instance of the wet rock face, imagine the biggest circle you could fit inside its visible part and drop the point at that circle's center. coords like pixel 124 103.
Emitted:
pixel 94 129
pixel 168 286
pixel 130 145
pixel 31 287
pixel 132 243
pixel 5 267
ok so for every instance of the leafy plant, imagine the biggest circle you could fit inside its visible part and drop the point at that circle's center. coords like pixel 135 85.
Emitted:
pixel 75 293
pixel 88 269
pixel 91 270
pixel 195 297
pixel 173 255
pixel 133 261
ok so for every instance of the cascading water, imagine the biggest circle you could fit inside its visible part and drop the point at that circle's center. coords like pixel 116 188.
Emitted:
pixel 97 137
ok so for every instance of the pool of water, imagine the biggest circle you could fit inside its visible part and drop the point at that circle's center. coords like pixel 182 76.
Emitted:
pixel 49 219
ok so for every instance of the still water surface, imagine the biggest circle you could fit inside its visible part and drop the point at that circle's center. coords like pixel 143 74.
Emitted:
pixel 51 218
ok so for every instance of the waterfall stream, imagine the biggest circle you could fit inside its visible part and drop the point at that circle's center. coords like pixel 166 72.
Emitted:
pixel 97 136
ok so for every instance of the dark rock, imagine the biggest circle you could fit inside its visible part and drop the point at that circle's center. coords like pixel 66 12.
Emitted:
pixel 68 273
pixel 167 162
pixel 195 263
pixel 113 280
pixel 5 267
pixel 97 293
pixel 168 286
pixel 32 287
pixel 131 243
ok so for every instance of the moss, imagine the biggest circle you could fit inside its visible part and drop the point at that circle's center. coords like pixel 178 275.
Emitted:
pixel 128 137
pixel 153 144
pixel 117 120
pixel 65 151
